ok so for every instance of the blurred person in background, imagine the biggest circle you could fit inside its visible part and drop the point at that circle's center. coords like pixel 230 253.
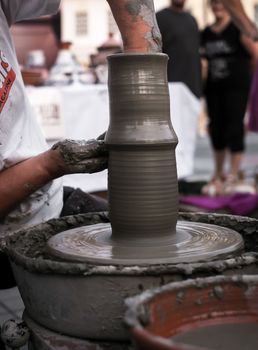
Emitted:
pixel 181 42
pixel 231 56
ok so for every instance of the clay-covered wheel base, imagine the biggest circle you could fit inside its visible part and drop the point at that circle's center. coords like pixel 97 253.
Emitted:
pixel 192 242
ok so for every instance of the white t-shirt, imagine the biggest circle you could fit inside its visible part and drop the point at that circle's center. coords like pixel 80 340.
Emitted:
pixel 20 135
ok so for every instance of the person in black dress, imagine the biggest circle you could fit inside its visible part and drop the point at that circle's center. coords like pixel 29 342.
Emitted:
pixel 230 56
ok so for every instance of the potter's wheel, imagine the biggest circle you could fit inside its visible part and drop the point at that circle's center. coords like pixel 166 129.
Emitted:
pixel 192 242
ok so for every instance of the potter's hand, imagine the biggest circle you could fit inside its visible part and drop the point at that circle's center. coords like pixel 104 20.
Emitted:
pixel 80 156
pixel 18 182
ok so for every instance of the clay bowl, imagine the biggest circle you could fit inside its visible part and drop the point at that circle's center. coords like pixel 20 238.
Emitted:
pixel 207 313
pixel 87 301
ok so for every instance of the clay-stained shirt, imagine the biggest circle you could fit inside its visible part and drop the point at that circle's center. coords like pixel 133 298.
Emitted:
pixel 20 135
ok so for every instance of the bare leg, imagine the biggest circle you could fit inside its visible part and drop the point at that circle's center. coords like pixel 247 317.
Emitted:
pixel 137 23
pixel 239 16
pixel 232 177
pixel 219 157
pixel 235 162
pixel 215 186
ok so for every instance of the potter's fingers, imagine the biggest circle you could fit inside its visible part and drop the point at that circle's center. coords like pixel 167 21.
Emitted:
pixel 87 148
pixel 74 152
pixel 90 166
pixel 98 165
pixel 94 148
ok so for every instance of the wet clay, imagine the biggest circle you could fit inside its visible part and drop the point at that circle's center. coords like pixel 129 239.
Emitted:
pixel 142 180
pixel 28 248
pixel 74 151
pixel 134 7
pixel 223 337
pixel 145 9
pixel 192 242
pixel 83 156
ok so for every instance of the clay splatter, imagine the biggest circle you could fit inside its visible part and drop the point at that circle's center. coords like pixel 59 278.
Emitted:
pixel 218 292
pixel 145 9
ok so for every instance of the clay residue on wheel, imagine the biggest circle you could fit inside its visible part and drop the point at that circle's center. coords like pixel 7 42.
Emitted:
pixel 247 227
pixel 28 249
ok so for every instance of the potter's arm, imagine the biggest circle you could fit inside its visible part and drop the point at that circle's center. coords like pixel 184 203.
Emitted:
pixel 66 157
pixel 21 180
pixel 137 23
pixel 237 12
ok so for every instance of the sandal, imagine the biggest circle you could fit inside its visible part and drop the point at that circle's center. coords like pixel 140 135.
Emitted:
pixel 213 188
pixel 230 184
pixel 237 184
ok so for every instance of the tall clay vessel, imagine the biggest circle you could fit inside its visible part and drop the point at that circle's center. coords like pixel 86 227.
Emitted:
pixel 143 194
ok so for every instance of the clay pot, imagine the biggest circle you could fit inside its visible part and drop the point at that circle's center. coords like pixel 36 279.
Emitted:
pixel 156 316
pixel 87 301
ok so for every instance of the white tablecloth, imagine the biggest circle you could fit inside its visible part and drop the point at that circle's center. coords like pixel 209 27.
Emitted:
pixel 82 112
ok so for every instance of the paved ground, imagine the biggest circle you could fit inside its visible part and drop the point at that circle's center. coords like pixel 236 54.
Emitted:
pixel 10 302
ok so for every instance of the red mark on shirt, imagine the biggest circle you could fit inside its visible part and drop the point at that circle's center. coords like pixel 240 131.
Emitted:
pixel 7 77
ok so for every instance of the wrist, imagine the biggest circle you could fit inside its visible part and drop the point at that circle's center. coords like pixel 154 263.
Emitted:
pixel 53 164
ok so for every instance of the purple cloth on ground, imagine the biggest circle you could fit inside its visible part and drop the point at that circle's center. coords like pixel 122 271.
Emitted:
pixel 253 104
pixel 238 203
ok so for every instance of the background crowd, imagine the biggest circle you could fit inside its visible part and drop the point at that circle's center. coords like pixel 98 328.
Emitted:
pixel 227 59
